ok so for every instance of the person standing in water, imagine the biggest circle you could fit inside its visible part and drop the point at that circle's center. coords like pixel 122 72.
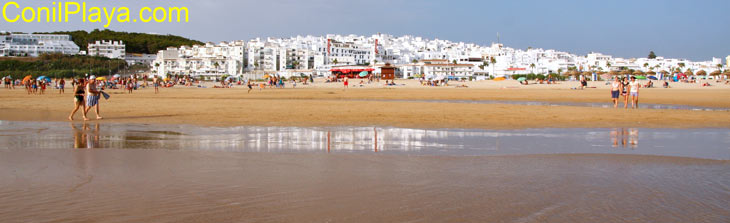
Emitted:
pixel 634 86
pixel 615 91
pixel 79 100
pixel 92 97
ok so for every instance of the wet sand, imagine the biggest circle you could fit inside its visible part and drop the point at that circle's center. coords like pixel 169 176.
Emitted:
pixel 329 106
pixel 197 186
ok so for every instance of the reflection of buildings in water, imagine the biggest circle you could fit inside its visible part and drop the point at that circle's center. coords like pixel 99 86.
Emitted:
pixel 623 137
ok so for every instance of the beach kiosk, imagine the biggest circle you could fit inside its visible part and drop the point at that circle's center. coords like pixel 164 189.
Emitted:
pixel 387 72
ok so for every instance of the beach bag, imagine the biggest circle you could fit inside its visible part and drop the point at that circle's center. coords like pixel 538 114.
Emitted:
pixel 106 96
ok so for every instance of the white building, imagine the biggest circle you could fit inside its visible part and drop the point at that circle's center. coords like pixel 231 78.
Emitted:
pixel 139 58
pixel 34 45
pixel 108 49
pixel 318 54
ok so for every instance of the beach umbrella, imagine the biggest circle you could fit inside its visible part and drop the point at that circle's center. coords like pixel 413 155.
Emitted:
pixel 27 78
pixel 266 76
pixel 651 73
pixel 638 72
pixel 625 72
pixel 614 73
pixel 521 79
pixel 101 78
pixel 499 79
pixel 653 77
pixel 640 77
pixel 47 79
pixel 363 74
pixel 701 73
pixel 715 73
pixel 117 76
pixel 688 73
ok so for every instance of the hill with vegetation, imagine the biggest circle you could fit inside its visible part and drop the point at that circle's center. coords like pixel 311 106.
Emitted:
pixel 135 42
pixel 59 65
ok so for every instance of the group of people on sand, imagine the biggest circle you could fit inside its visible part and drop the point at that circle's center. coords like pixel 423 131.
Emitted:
pixel 86 96
pixel 622 87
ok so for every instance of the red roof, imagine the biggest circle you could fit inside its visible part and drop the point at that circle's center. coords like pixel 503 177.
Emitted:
pixel 515 68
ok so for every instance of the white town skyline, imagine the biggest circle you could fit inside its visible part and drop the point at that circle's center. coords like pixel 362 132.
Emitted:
pixel 413 56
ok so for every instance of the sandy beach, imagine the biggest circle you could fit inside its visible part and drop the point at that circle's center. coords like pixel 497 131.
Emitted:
pixel 327 104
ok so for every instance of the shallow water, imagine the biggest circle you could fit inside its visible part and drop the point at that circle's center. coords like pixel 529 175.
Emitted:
pixel 52 172
pixel 704 143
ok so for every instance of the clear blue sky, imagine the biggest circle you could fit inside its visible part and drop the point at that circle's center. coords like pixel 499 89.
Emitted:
pixel 696 30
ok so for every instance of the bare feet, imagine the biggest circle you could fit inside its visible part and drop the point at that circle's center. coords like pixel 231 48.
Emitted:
pixel 86 119
pixel 70 118
pixel 99 118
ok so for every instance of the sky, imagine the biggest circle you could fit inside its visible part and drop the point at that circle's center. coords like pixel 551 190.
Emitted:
pixel 695 30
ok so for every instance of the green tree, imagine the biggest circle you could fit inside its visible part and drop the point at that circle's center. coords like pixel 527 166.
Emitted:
pixel 652 55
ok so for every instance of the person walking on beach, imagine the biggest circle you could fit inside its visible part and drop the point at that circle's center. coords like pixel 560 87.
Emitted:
pixel 615 91
pixel 346 83
pixel 92 97
pixel 625 92
pixel 634 91
pixel 249 84
pixel 583 82
pixel 61 86
pixel 79 100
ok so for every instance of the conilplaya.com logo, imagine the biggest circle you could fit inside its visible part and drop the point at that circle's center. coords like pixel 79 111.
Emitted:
pixel 14 12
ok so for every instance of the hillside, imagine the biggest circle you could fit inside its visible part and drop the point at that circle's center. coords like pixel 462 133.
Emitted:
pixel 135 42
pixel 58 65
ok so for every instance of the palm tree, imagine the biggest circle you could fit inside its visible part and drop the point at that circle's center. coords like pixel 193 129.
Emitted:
pixel 494 62
pixel 681 65
pixel 532 65
pixel 719 67
pixel 560 70
pixel 646 65
pixel 335 61
pixel 608 65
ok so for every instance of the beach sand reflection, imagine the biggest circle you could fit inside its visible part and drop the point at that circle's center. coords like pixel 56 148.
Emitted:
pixel 625 137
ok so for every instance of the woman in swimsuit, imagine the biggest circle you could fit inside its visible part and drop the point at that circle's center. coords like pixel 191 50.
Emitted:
pixel 79 99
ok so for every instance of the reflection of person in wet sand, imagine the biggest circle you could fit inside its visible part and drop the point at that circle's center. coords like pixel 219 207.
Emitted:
pixel 79 136
pixel 85 139
pixel 625 136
